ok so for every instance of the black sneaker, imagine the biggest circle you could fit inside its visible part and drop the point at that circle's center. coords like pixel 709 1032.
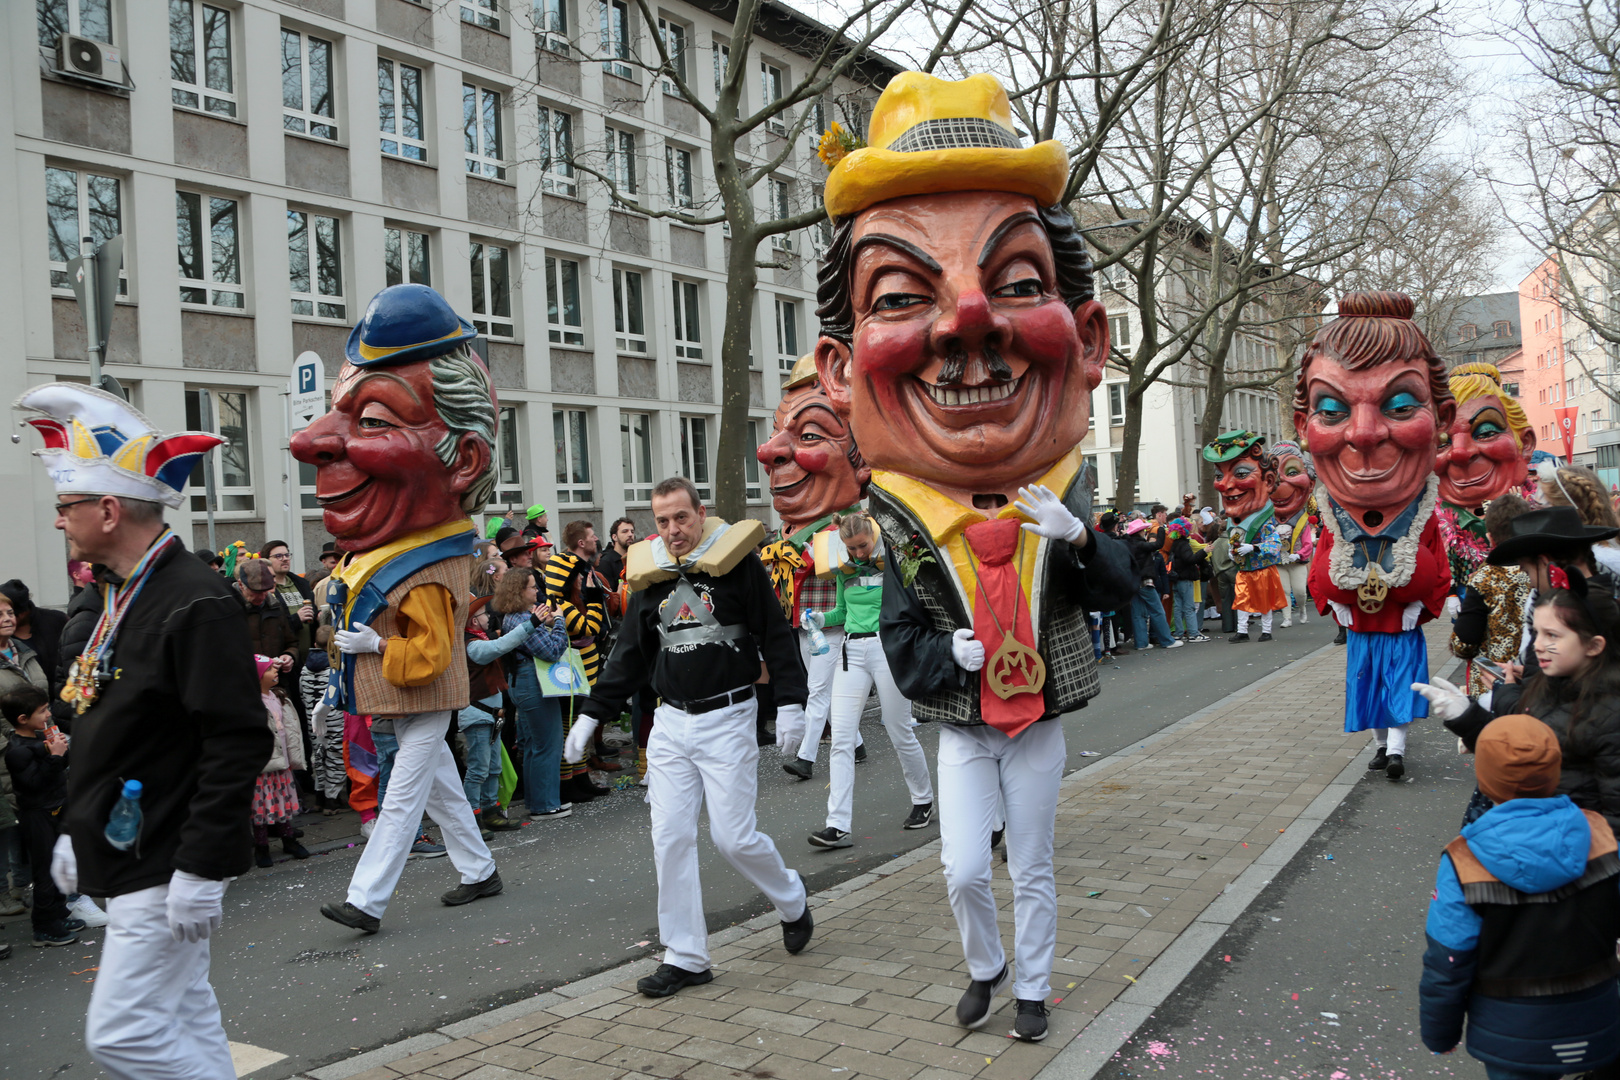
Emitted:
pixel 860 754
pixel 73 925
pixel 796 934
pixel 352 917
pixel 1239 639
pixel 996 836
pixel 922 815
pixel 1031 1023
pixel 1265 636
pixel 974 1008
pixel 566 810
pixel 292 847
pixel 501 823
pixel 1338 639
pixel 466 894
pixel 669 978
pixel 799 768
pixel 831 838
pixel 261 856
pixel 54 935
pixel 1379 760
pixel 1396 768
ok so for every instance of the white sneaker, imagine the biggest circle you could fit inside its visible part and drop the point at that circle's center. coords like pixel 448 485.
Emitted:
pixel 1176 644
pixel 1303 617
pixel 86 909
pixel 1288 622
pixel 365 828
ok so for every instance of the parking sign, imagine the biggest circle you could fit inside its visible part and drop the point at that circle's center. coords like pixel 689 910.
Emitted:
pixel 308 390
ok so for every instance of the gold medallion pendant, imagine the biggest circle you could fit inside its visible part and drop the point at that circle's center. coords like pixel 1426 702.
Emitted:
pixel 1016 661
pixel 81 688
pixel 1370 597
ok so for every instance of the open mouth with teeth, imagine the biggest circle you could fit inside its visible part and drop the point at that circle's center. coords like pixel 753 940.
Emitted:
pixel 956 397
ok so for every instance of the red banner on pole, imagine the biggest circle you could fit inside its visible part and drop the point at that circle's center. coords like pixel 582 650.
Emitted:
pixel 1566 428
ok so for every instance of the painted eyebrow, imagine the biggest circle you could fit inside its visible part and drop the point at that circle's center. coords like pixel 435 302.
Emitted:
pixel 1022 218
pixel 905 246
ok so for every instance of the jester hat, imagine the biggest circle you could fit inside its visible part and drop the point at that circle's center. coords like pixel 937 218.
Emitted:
pixel 99 444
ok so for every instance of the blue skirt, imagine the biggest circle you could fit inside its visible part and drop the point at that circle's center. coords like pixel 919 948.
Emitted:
pixel 1379 672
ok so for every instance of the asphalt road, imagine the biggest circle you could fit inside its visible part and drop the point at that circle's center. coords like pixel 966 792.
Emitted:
pixel 1319 977
pixel 580 896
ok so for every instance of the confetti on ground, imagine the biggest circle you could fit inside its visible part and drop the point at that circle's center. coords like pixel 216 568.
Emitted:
pixel 1329 858
pixel 1090 753
pixel 1331 1016
pixel 640 944
pixel 1094 892
pixel 503 941
pixel 1133 980
pixel 1228 959
pixel 1145 912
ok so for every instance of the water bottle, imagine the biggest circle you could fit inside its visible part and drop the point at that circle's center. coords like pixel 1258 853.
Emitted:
pixel 818 640
pixel 124 824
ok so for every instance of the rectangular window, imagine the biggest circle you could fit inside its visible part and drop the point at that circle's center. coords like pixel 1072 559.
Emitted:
pixel 1116 404
pixel 508 465
pixel 79 204
pixel 485 13
pixel 557 152
pixel 406 257
pixel 306 85
pixel 491 290
pixel 573 455
pixel 817 125
pixel 678 173
pixel 210 251
pixel 771 90
pixel 616 37
pixel 621 161
pixel 481 131
pixel 315 265
pixel 722 65
pixel 565 319
pixel 635 450
pixel 551 25
pixel 688 321
pixel 629 327
pixel 399 110
pixel 777 191
pixel 674 37
pixel 225 413
pixel 695 453
pixel 787 334
pixel 1119 330
pixel 83 18
pixel 200 57
pixel 751 487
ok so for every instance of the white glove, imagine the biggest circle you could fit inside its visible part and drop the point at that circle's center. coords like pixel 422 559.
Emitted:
pixel 1244 549
pixel 579 739
pixel 362 639
pixel 1293 557
pixel 196 905
pixel 1453 605
pixel 815 618
pixel 968 654
pixel 1410 613
pixel 789 727
pixel 65 865
pixel 318 717
pixel 1342 612
pixel 1446 702
pixel 1053 520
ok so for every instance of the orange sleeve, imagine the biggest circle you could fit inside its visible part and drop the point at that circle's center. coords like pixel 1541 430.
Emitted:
pixel 426 614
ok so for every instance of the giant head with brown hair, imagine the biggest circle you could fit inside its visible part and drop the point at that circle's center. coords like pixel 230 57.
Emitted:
pixel 1370 404
pixel 811 459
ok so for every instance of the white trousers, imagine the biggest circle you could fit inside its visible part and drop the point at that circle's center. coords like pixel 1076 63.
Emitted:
pixel 1393 739
pixel 980 767
pixel 708 758
pixel 1294 577
pixel 153 1015
pixel 1243 622
pixel 868 665
pixel 818 708
pixel 424 778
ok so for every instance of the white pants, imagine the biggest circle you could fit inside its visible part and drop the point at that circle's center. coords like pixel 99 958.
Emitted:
pixel 1294 576
pixel 153 1015
pixel 1243 622
pixel 820 670
pixel 868 665
pixel 979 766
pixel 708 758
pixel 424 778
pixel 1393 739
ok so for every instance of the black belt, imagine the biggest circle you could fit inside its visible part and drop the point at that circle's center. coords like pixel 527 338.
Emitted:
pixel 709 704
pixel 863 633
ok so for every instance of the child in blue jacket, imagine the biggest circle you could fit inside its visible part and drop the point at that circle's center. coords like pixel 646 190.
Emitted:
pixel 1522 928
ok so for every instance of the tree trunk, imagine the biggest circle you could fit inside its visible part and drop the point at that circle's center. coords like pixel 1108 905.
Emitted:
pixel 742 278
pixel 1209 428
pixel 1129 468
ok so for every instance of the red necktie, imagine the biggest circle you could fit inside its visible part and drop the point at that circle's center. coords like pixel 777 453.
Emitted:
pixel 999 597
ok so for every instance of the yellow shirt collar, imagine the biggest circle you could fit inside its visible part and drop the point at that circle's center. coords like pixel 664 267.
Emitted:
pixel 356 570
pixel 944 517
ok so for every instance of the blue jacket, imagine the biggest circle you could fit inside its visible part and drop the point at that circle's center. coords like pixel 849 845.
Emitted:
pixel 1534 846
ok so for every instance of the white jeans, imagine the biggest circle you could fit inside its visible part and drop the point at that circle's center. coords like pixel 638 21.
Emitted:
pixel 153 1015
pixel 1294 577
pixel 979 766
pixel 868 665
pixel 424 778
pixel 820 670
pixel 708 758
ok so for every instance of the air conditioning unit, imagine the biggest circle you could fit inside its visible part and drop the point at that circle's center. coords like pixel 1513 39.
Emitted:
pixel 89 59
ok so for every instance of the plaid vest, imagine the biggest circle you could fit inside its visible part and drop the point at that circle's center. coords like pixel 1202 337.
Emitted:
pixel 375 695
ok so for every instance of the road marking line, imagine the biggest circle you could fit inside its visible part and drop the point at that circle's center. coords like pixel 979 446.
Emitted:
pixel 249 1059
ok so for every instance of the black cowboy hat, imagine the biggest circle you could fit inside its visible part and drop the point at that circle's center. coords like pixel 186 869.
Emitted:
pixel 1548 531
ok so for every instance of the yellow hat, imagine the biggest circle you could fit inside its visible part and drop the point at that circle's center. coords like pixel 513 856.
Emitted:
pixel 929 136
pixel 803 373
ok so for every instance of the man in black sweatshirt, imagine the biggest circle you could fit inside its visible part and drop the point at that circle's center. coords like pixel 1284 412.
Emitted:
pixel 702 615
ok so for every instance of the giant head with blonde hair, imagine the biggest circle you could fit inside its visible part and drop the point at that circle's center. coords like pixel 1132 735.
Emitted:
pixel 1486 451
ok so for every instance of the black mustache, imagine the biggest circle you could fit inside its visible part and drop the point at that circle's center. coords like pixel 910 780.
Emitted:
pixel 954 369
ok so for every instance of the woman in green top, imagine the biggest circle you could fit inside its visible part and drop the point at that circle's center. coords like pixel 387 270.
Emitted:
pixel 861 663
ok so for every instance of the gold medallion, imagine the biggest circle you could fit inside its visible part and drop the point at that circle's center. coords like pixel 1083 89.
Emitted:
pixel 81 688
pixel 1015 660
pixel 1370 597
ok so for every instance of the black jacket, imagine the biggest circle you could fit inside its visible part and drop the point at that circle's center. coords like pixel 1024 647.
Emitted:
pixel 183 716
pixel 38 777
pixel 1185 563
pixel 611 566
pixel 743 596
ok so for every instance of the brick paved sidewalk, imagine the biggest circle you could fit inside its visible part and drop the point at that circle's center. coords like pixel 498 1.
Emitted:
pixel 1148 841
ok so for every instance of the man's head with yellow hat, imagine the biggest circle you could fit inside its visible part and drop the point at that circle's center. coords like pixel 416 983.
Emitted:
pixel 959 334
pixel 810 458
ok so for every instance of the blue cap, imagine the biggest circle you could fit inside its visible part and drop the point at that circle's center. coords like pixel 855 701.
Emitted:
pixel 404 324
pixel 132 789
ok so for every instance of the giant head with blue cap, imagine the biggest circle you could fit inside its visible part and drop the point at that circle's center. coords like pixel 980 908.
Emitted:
pixel 409 441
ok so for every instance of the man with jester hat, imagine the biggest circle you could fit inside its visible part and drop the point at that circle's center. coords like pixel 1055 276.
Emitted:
pixel 1246 478
pixel 168 710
